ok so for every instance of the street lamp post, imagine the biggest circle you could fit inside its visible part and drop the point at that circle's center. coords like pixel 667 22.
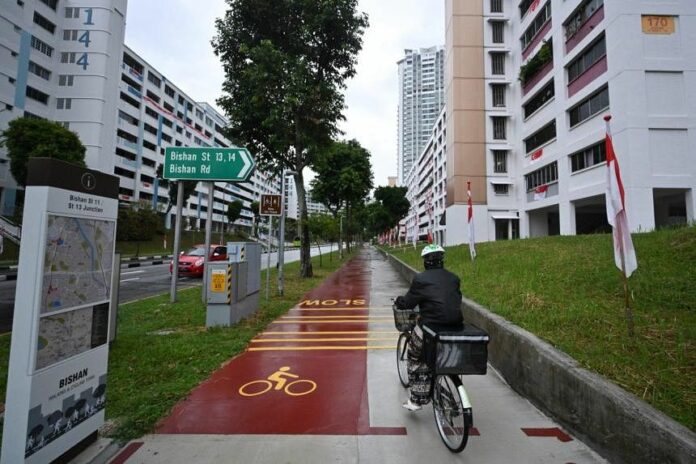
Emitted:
pixel 281 233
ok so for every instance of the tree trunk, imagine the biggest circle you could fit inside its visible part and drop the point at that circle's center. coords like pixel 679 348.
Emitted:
pixel 319 246
pixel 305 256
pixel 340 233
pixel 348 237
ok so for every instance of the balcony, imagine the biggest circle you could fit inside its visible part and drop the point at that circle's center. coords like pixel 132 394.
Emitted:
pixel 536 40
pixel 590 74
pixel 132 71
pixel 584 30
pixel 538 66
pixel 127 143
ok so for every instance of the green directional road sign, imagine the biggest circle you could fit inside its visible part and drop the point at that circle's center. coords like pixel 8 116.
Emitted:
pixel 208 164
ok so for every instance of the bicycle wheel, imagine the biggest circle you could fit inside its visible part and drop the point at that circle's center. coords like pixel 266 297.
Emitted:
pixel 265 386
pixel 309 388
pixel 452 411
pixel 402 358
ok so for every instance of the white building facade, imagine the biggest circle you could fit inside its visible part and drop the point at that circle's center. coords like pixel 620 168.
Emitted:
pixel 529 84
pixel 426 188
pixel 421 98
pixel 66 61
pixel 60 60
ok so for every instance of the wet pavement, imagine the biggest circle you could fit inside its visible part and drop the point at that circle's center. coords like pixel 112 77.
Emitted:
pixel 320 385
pixel 306 374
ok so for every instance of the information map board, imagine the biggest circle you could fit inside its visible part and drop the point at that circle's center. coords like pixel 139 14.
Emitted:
pixel 58 360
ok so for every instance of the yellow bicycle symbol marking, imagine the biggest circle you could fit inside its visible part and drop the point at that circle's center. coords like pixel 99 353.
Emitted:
pixel 280 377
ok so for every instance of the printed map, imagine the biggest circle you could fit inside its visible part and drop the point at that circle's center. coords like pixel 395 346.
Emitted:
pixel 77 265
pixel 63 336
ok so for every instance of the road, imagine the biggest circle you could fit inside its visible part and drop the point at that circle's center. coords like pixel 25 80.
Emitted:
pixel 140 282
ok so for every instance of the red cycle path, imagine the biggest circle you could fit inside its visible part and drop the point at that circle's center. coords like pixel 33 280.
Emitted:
pixel 324 340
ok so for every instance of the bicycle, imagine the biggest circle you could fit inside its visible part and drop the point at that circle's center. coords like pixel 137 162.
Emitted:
pixel 448 355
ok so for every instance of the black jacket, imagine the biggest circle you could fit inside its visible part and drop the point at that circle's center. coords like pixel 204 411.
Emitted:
pixel 436 292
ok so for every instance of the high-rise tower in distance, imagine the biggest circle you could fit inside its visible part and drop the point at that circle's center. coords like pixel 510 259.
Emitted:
pixel 421 97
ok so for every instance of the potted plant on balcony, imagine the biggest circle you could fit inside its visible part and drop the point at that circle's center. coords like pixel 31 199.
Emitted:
pixel 536 63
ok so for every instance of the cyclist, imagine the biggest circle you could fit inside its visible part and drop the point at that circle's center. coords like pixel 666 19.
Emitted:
pixel 436 292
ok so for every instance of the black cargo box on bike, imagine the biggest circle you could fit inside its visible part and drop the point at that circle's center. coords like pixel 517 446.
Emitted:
pixel 461 352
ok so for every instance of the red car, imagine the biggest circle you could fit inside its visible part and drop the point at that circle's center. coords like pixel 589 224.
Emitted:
pixel 191 261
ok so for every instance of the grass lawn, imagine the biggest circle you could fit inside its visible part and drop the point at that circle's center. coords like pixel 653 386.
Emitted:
pixel 567 291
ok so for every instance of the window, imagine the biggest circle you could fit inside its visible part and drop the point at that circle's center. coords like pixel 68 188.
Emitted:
pixel 66 80
pixel 498 30
pixel 498 63
pixel 150 112
pixel 525 5
pixel 496 6
pixel 498 91
pixel 199 114
pixel 72 12
pixel 542 176
pixel 501 189
pixel 499 161
pixel 40 71
pixel 44 23
pixel 37 95
pixel 168 107
pixel 63 103
pixel 589 156
pixel 154 79
pixel 41 46
pixel 540 137
pixel 150 129
pixel 152 96
pixel 536 25
pixel 130 101
pixel 498 127
pixel 67 57
pixel 537 101
pixel 587 58
pixel 52 4
pixel 581 16
pixel 70 34
pixel 589 107
pixel 169 91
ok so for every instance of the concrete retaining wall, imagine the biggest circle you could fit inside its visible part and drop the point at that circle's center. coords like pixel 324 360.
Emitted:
pixel 618 425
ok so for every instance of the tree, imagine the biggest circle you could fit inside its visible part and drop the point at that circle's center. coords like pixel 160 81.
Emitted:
pixel 344 177
pixel 286 63
pixel 138 224
pixel 173 187
pixel 27 138
pixel 322 227
pixel 394 201
pixel 257 217
pixel 234 211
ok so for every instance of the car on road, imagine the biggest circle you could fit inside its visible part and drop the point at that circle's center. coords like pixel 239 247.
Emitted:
pixel 191 260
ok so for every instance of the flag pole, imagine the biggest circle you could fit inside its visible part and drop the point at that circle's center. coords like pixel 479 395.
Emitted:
pixel 618 235
pixel 627 301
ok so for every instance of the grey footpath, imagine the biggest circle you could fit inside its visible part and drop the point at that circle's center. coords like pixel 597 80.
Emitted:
pixel 618 425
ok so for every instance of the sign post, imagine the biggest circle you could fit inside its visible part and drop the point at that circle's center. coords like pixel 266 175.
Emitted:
pixel 57 383
pixel 203 164
pixel 270 206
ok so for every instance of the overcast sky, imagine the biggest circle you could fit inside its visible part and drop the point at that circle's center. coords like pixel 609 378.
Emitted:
pixel 174 37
